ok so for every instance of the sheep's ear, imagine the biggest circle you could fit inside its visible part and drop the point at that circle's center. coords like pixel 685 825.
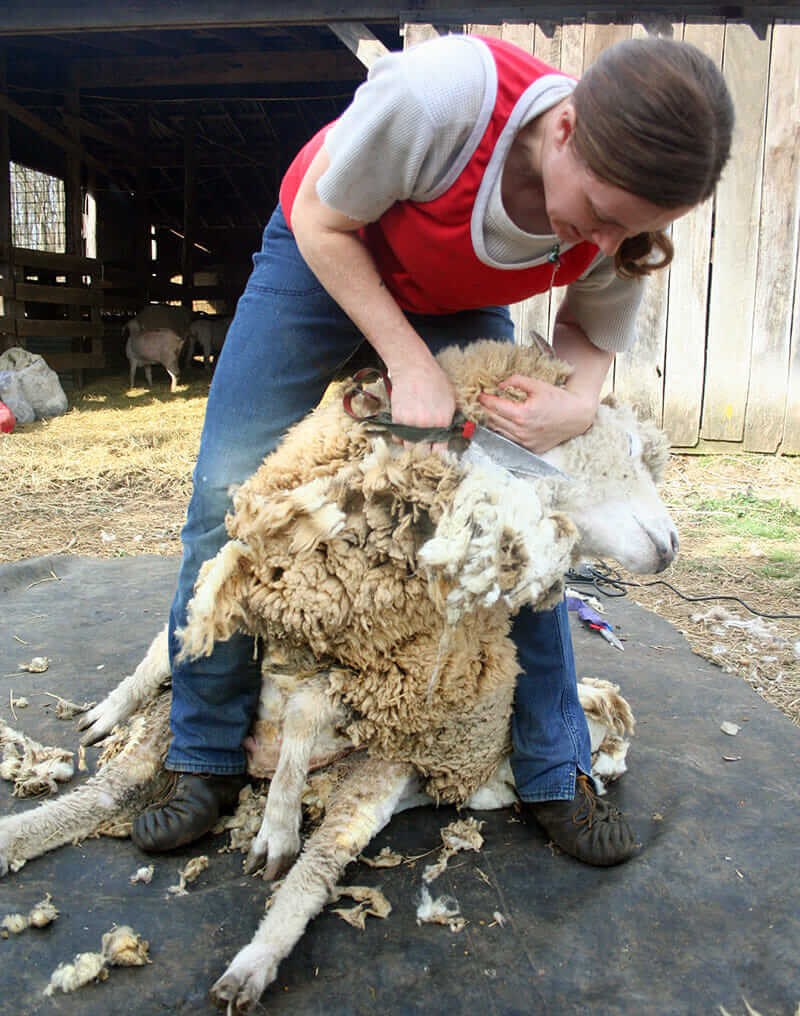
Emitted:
pixel 496 541
pixel 216 611
pixel 655 448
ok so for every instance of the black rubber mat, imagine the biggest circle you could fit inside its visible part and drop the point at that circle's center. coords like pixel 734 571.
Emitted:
pixel 706 915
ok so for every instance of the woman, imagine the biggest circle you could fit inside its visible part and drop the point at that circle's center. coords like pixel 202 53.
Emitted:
pixel 466 175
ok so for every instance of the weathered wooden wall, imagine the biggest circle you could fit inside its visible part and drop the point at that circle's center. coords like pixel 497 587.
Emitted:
pixel 718 356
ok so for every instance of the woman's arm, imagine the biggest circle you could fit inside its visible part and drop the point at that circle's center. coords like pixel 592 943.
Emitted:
pixel 550 415
pixel 421 392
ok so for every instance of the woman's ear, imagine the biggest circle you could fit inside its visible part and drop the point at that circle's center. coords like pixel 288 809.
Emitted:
pixel 564 124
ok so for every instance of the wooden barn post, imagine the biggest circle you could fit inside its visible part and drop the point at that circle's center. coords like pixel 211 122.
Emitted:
pixel 187 253
pixel 7 321
pixel 143 257
pixel 74 202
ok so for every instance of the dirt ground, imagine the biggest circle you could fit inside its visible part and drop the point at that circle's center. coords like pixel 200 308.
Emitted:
pixel 112 478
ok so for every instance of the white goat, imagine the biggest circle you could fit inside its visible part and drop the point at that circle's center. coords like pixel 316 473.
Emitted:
pixel 448 549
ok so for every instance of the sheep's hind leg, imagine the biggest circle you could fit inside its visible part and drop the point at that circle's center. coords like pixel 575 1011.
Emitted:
pixel 308 710
pixel 363 804
pixel 120 788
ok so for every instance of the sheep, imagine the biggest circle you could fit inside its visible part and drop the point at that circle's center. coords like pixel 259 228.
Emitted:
pixel 156 335
pixel 357 561
pixel 209 335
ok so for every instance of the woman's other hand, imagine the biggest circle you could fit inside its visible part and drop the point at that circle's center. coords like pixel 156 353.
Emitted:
pixel 547 416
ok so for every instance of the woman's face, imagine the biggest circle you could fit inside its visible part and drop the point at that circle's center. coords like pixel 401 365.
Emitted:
pixel 581 206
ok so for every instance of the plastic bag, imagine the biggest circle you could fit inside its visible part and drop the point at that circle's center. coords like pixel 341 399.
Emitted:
pixel 29 388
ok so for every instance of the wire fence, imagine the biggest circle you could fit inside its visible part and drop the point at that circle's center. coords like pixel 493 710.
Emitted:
pixel 38 210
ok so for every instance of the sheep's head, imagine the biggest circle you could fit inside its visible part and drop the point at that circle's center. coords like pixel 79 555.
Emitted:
pixel 612 497
pixel 615 466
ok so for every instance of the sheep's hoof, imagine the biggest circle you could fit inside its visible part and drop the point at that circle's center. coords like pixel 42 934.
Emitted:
pixel 277 865
pixel 255 858
pixel 244 981
pixel 100 720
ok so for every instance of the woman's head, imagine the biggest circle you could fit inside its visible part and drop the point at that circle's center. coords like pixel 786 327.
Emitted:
pixel 653 117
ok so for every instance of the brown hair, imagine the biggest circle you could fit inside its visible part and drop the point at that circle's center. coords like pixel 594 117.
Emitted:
pixel 654 117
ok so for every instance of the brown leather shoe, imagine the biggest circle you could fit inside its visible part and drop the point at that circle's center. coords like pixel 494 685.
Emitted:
pixel 585 827
pixel 194 804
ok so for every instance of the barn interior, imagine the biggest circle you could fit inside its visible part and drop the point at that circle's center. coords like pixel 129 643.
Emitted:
pixel 171 144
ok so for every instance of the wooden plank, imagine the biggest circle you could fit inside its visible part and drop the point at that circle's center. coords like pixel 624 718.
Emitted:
pixel 84 296
pixel 688 293
pixel 223 69
pixel 8 325
pixel 366 46
pixel 639 372
pixel 58 329
pixel 573 40
pixel 122 145
pixel 547 42
pixel 735 253
pixel 494 30
pixel 791 431
pixel 520 33
pixel 24 256
pixel 600 35
pixel 777 247
pixel 109 15
pixel 414 33
pixel 49 133
pixel 189 208
pixel 542 309
pixel 69 360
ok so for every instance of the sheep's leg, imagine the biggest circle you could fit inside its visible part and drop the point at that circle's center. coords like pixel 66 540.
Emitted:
pixel 148 373
pixel 611 723
pixel 308 711
pixel 130 694
pixel 122 787
pixel 134 365
pixel 362 806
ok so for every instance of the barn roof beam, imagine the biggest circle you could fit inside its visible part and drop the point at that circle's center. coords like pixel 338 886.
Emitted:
pixel 50 133
pixel 100 15
pixel 359 40
pixel 206 69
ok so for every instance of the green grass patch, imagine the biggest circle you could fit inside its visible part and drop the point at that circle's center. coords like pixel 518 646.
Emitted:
pixel 745 515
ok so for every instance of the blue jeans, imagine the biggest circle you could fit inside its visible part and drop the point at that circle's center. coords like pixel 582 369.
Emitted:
pixel 286 341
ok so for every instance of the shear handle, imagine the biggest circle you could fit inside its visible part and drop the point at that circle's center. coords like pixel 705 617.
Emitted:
pixel 367 375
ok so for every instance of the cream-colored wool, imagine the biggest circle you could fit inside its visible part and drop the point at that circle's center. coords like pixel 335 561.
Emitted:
pixel 120 947
pixel 123 947
pixel 86 967
pixel 43 913
pixel 34 768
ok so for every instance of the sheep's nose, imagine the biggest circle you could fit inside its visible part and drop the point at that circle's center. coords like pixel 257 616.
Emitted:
pixel 667 550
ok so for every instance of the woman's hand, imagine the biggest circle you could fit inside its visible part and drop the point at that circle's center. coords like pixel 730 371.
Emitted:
pixel 546 417
pixel 422 395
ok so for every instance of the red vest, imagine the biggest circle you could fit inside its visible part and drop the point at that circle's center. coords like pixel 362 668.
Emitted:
pixel 424 249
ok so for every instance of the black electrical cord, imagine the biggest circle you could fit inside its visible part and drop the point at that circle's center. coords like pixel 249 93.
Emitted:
pixel 608 582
